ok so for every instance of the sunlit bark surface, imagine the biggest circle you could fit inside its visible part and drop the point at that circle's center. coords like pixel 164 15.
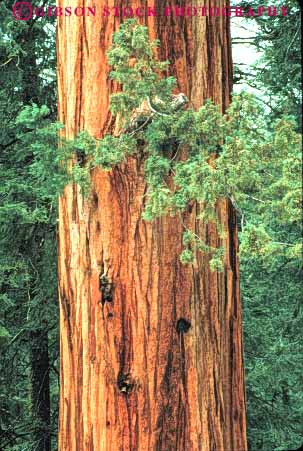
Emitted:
pixel 129 379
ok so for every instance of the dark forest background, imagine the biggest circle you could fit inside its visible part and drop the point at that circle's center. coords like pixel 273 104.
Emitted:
pixel 271 269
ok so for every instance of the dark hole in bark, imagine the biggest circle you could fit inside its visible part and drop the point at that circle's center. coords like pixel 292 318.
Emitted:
pixel 110 315
pixel 106 288
pixel 183 325
pixel 140 142
pixel 218 150
pixel 190 207
pixel 81 158
pixel 125 383
pixel 108 424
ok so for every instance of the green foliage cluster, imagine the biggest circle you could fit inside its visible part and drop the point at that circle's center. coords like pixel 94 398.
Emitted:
pixel 271 275
pixel 140 79
pixel 28 212
pixel 271 291
pixel 270 242
pixel 277 73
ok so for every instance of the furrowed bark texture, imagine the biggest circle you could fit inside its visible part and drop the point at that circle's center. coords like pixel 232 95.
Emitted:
pixel 129 380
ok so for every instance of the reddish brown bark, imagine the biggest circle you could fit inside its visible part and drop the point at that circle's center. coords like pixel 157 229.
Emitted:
pixel 129 380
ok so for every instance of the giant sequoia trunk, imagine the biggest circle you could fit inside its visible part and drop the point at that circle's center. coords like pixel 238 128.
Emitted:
pixel 130 378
